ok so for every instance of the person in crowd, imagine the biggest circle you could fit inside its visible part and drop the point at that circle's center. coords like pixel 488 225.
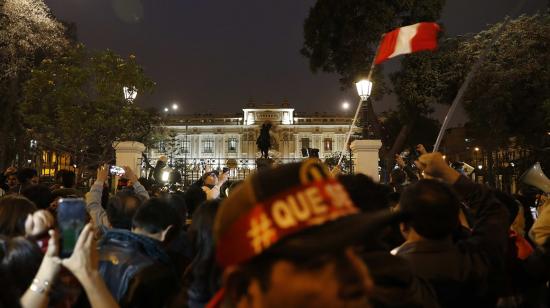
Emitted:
pixel 285 238
pixel 204 275
pixel 194 196
pixel 211 183
pixel 40 195
pixel 120 208
pixel 396 284
pixel 8 179
pixel 82 263
pixel 134 264
pixel 25 177
pixel 179 248
pixel 20 217
pixel 65 184
pixel 21 259
pixel 460 272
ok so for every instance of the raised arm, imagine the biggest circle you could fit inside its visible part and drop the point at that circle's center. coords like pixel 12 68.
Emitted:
pixel 93 199
pixel 490 226
pixel 138 188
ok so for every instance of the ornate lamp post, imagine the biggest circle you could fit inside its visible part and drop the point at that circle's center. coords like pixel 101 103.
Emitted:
pixel 130 93
pixel 364 88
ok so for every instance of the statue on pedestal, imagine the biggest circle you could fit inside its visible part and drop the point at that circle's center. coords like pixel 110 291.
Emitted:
pixel 264 140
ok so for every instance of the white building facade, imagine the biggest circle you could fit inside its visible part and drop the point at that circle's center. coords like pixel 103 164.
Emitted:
pixel 229 140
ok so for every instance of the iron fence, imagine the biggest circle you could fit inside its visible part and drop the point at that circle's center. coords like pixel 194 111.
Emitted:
pixel 189 170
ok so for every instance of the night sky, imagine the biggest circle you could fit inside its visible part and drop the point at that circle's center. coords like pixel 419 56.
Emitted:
pixel 214 56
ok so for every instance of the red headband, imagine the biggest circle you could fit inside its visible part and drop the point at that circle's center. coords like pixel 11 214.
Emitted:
pixel 287 213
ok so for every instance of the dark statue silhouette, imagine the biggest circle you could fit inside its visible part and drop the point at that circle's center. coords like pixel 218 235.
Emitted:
pixel 263 142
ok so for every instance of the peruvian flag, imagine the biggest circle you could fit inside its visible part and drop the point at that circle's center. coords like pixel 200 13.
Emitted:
pixel 409 39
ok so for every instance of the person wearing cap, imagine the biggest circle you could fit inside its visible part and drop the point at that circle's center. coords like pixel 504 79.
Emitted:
pixel 211 184
pixel 286 237
pixel 462 272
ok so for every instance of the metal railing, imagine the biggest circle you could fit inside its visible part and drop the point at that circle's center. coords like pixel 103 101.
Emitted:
pixel 192 169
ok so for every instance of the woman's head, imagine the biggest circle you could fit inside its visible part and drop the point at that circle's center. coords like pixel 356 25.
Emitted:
pixel 14 210
pixel 20 260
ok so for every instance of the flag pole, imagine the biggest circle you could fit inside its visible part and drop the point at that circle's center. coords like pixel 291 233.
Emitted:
pixel 359 105
pixel 469 77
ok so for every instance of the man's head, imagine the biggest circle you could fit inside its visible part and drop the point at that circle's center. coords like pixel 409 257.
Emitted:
pixel 210 178
pixel 40 194
pixel 27 176
pixel 157 219
pixel 286 237
pixel 121 210
pixel 433 208
pixel 11 180
pixel 398 177
pixel 66 178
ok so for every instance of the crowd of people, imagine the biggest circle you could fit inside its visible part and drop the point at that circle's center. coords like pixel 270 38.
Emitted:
pixel 295 235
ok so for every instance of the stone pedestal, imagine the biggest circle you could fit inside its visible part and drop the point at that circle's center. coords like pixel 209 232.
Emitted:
pixel 264 163
pixel 128 153
pixel 365 156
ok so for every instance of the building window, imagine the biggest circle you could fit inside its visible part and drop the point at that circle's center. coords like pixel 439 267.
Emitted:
pixel 185 146
pixel 208 146
pixel 327 144
pixel 232 145
pixel 305 143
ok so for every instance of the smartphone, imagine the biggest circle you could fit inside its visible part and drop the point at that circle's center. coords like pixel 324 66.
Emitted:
pixel 116 170
pixel 71 219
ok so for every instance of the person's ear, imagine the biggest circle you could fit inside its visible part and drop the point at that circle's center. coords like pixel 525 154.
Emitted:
pixel 165 233
pixel 241 289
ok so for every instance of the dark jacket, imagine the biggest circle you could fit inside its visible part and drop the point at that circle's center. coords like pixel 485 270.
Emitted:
pixel 136 269
pixel 463 273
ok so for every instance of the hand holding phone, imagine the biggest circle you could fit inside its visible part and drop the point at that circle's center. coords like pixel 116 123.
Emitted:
pixel 116 170
pixel 71 218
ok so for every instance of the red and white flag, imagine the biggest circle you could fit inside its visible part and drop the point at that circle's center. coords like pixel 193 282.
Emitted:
pixel 409 39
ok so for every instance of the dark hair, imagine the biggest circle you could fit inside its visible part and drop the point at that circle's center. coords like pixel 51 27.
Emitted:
pixel 433 207
pixel 21 259
pixel 194 196
pixel 39 194
pixel 398 176
pixel 205 273
pixel 68 178
pixel 25 174
pixel 14 210
pixel 367 195
pixel 121 208
pixel 177 201
pixel 155 215
pixel 511 204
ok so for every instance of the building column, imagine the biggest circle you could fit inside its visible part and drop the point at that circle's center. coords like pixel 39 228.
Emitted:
pixel 128 153
pixel 365 154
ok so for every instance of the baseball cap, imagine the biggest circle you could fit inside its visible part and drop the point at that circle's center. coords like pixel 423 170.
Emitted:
pixel 293 210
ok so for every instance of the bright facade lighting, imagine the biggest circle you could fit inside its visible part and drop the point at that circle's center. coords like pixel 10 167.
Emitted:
pixel 480 167
pixel 476 149
pixel 165 176
pixel 345 105
pixel 130 93
pixel 364 88
pixel 165 109
pixel 175 106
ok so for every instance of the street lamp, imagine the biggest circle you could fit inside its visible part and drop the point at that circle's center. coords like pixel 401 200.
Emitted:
pixel 175 106
pixel 166 109
pixel 130 93
pixel 364 88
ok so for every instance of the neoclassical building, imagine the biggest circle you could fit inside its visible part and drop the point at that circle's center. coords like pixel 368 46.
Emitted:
pixel 230 139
